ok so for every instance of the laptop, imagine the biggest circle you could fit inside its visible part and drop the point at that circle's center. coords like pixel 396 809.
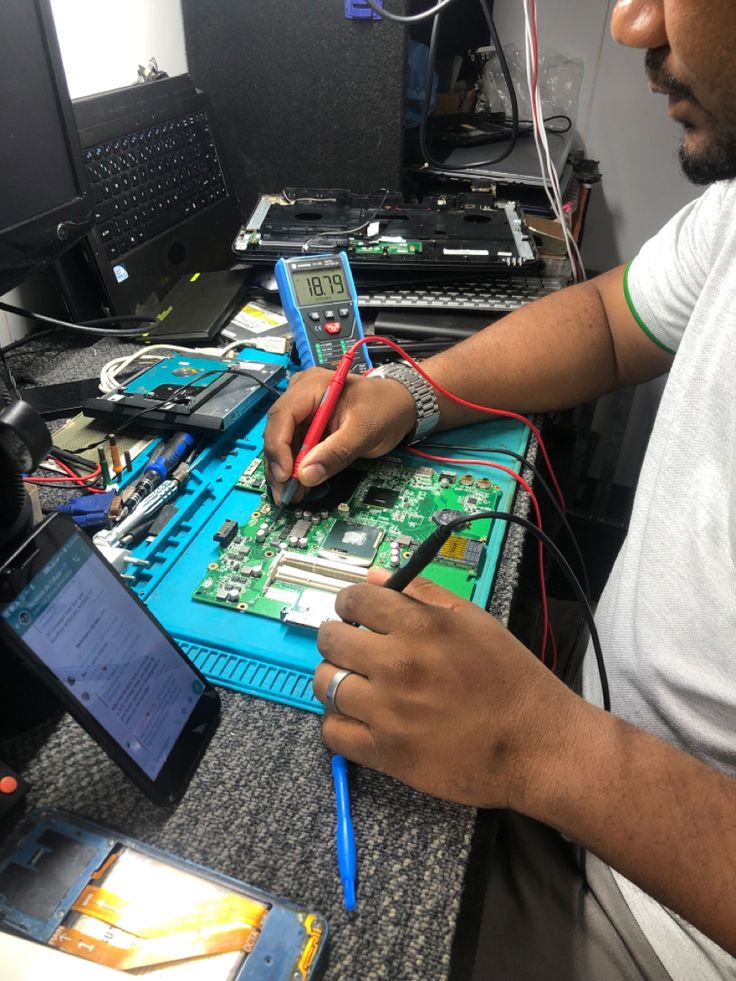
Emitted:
pixel 164 203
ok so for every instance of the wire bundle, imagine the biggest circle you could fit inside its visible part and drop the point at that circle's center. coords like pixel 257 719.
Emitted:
pixel 548 171
pixel 72 479
pixel 542 538
pixel 114 371
pixel 582 593
pixel 550 180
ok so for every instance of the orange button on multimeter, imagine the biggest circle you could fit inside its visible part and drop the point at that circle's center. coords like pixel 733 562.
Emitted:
pixel 333 326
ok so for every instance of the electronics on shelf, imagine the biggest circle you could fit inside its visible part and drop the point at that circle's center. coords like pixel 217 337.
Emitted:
pixel 381 231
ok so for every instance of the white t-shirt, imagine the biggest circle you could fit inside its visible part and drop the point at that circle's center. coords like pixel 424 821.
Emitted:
pixel 667 617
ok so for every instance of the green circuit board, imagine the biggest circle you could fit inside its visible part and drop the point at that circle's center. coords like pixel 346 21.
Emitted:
pixel 385 247
pixel 290 566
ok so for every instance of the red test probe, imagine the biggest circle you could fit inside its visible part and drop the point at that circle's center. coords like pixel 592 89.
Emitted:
pixel 319 422
pixel 334 389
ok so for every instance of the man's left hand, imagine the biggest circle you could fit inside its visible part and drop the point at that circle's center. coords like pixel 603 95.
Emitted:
pixel 442 697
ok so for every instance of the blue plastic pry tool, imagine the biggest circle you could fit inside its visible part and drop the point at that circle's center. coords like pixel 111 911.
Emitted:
pixel 346 859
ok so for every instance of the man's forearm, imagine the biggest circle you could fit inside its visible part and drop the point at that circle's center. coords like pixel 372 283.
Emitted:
pixel 559 352
pixel 657 815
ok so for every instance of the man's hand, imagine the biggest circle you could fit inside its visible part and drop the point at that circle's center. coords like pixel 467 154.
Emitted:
pixel 443 698
pixel 370 419
pixel 447 701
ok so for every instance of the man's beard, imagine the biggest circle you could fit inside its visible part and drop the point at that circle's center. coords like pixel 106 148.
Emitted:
pixel 716 161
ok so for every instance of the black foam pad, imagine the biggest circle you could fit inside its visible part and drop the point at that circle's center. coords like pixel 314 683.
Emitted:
pixel 303 97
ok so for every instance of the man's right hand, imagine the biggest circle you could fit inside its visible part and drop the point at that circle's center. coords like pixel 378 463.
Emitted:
pixel 371 417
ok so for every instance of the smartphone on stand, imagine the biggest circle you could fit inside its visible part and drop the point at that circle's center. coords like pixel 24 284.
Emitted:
pixel 71 619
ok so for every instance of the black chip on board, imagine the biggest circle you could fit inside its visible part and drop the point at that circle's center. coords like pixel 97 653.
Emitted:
pixel 380 497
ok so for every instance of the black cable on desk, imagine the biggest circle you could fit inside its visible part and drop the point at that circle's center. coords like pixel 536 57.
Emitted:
pixel 85 327
pixel 22 341
pixel 72 459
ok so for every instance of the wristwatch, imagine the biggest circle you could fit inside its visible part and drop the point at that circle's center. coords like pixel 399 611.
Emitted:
pixel 425 397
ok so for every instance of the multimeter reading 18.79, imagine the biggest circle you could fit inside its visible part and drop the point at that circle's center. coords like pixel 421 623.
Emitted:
pixel 312 287
pixel 319 300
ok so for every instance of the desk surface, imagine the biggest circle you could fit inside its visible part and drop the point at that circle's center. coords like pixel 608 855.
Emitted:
pixel 261 807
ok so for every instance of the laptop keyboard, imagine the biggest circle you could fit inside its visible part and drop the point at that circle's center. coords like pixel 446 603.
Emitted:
pixel 150 180
pixel 492 296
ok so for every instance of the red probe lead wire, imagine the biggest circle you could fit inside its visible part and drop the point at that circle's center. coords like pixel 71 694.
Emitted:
pixel 506 413
pixel 327 405
pixel 465 461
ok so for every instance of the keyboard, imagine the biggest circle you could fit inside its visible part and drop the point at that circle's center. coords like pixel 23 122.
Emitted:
pixel 490 296
pixel 148 181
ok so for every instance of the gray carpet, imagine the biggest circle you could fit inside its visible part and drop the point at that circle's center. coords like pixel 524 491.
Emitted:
pixel 260 808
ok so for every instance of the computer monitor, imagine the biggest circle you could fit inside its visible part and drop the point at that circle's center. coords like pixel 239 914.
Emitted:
pixel 45 205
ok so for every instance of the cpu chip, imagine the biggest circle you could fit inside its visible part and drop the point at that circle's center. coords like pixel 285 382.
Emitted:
pixel 353 543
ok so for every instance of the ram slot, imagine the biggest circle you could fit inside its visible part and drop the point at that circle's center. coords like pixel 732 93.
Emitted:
pixel 300 577
pixel 312 563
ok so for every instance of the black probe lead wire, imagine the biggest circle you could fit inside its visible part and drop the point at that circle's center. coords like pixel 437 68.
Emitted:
pixel 573 666
pixel 543 483
pixel 35 336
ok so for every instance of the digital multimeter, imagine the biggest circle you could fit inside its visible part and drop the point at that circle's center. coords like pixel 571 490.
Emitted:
pixel 321 305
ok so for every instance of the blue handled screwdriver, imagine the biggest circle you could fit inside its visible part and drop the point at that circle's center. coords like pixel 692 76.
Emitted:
pixel 158 469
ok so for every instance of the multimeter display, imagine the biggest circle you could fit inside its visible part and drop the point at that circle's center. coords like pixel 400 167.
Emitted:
pixel 320 303
pixel 320 287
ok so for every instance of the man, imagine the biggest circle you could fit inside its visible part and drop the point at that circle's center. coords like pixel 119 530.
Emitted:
pixel 650 790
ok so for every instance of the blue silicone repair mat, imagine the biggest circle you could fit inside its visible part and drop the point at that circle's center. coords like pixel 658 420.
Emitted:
pixel 245 651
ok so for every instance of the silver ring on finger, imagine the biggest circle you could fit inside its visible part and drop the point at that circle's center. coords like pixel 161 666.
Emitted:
pixel 332 685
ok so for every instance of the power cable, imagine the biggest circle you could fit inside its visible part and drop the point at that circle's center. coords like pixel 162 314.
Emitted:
pixel 89 327
pixel 472 166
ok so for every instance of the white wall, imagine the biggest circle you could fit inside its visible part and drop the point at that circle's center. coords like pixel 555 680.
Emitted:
pixel 102 43
pixel 627 129
pixel 621 123
pixel 12 327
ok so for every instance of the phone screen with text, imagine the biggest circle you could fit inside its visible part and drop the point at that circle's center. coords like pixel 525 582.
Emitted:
pixel 77 619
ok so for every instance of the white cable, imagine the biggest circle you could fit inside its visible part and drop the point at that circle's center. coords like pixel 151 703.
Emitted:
pixel 112 372
pixel 409 18
pixel 120 364
pixel 550 180
pixel 548 172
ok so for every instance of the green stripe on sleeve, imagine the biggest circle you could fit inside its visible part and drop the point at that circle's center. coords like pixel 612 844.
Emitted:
pixel 635 313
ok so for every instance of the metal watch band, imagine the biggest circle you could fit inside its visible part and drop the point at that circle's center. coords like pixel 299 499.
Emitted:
pixel 425 397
